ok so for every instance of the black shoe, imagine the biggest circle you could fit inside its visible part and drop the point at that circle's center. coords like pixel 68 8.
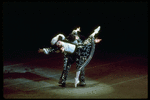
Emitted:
pixel 63 83
pixel 82 84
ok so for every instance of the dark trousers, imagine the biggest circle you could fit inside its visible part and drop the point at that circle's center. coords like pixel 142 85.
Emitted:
pixel 79 57
pixel 68 61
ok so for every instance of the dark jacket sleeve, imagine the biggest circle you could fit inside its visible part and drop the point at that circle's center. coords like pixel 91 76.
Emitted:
pixel 71 37
pixel 82 37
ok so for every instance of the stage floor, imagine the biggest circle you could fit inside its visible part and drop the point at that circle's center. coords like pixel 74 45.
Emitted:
pixel 108 75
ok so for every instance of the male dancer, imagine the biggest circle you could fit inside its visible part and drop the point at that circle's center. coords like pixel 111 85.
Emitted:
pixel 76 50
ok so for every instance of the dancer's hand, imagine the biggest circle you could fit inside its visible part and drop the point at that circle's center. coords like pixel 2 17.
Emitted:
pixel 40 50
pixel 78 29
pixel 97 40
pixel 62 49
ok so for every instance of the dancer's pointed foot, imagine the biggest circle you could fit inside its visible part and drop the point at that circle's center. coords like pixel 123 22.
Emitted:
pixel 95 31
pixel 76 82
pixel 82 83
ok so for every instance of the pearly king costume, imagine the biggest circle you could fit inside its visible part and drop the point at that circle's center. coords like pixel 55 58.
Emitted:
pixel 75 50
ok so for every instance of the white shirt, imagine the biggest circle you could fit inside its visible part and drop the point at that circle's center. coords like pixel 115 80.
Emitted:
pixel 54 40
pixel 68 48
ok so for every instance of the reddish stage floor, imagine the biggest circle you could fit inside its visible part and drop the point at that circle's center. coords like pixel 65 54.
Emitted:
pixel 108 75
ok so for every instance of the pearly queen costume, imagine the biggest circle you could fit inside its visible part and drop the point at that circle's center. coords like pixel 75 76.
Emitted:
pixel 75 50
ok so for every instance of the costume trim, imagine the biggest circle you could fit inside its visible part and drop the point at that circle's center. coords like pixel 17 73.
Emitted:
pixel 90 56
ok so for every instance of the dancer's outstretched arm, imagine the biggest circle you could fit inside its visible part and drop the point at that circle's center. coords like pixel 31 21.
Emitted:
pixel 48 50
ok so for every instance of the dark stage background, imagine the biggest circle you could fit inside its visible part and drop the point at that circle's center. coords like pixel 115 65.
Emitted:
pixel 28 26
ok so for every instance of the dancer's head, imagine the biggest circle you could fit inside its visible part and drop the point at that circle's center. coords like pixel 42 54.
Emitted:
pixel 57 38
